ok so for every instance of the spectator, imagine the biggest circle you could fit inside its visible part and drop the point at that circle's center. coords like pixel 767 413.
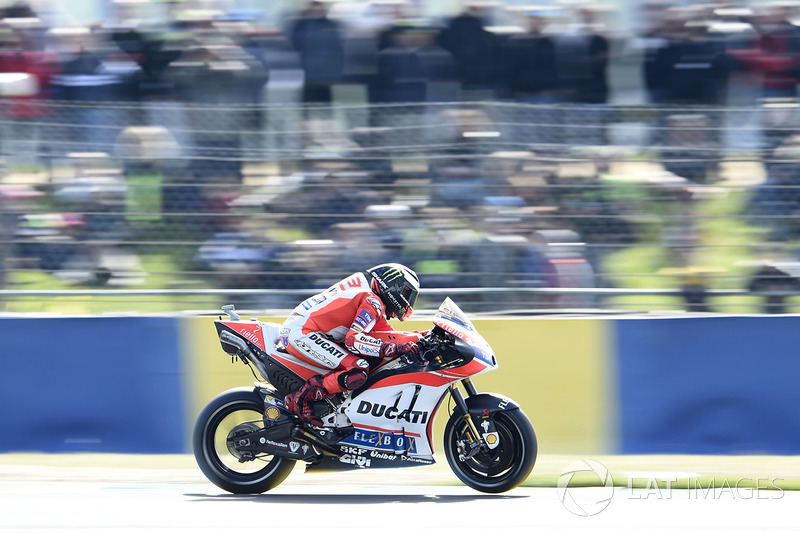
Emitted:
pixel 694 68
pixel 775 54
pixel 475 51
pixel 319 42
pixel 531 77
pixel 400 76
pixel 582 58
pixel 530 64
pixel 23 53
pixel 776 202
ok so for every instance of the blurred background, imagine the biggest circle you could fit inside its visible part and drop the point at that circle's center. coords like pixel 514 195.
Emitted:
pixel 621 156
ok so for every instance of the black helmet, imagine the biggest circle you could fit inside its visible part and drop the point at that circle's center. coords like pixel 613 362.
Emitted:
pixel 397 286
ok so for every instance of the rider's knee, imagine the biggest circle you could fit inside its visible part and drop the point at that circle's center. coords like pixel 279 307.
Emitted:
pixel 353 379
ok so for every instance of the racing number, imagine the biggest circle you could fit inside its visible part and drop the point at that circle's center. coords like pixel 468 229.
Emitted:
pixel 352 282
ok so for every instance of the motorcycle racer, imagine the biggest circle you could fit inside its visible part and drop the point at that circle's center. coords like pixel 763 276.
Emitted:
pixel 354 313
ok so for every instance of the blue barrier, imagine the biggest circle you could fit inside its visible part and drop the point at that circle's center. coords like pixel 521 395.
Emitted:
pixel 683 385
pixel 100 384
pixel 709 385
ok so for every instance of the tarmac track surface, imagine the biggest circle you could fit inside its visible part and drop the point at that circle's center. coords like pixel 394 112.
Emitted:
pixel 408 501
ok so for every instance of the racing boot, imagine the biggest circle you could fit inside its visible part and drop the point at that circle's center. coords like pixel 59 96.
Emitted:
pixel 299 402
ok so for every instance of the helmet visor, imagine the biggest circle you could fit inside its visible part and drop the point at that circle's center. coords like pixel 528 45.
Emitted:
pixel 409 295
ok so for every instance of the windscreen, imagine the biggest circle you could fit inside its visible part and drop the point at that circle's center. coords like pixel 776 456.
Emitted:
pixel 453 320
pixel 450 312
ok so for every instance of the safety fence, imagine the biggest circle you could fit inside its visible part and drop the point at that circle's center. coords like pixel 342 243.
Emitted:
pixel 695 201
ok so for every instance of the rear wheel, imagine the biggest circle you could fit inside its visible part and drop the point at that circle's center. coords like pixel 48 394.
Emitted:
pixel 502 468
pixel 236 413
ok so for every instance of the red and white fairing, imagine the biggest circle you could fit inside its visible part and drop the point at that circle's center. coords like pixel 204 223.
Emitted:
pixel 394 416
pixel 400 408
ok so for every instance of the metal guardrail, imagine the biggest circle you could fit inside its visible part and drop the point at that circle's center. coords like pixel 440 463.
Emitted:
pixel 437 291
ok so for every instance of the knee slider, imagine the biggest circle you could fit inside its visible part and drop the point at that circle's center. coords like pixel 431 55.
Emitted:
pixel 353 379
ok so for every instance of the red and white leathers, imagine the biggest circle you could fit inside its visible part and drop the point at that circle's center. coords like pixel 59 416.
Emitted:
pixel 348 314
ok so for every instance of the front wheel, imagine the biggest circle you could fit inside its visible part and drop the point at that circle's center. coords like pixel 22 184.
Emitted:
pixel 234 414
pixel 502 468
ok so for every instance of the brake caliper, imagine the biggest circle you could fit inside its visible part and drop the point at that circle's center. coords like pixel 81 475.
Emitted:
pixel 468 448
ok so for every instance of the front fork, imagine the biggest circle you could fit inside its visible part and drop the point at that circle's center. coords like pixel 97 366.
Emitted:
pixel 474 442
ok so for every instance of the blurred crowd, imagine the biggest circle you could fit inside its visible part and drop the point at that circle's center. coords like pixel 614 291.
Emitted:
pixel 471 195
pixel 535 55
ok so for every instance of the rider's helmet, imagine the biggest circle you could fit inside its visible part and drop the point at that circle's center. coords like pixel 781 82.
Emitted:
pixel 397 286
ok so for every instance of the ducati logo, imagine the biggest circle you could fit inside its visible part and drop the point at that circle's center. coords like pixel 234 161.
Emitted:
pixel 392 413
pixel 329 347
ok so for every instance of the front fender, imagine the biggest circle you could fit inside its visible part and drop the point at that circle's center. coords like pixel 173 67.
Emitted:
pixel 486 404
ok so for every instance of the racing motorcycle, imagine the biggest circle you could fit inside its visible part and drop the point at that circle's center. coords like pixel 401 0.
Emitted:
pixel 247 441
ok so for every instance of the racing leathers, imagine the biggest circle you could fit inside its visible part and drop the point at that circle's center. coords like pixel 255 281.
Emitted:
pixel 344 329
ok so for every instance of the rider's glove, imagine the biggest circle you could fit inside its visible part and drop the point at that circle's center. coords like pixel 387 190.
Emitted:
pixel 408 351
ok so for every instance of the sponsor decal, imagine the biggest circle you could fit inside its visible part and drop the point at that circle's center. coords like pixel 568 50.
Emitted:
pixel 454 330
pixel 374 302
pixel 305 449
pixel 364 318
pixel 407 459
pixel 366 345
pixel 284 336
pixel 314 301
pixel 375 454
pixel 485 426
pixel 503 404
pixel 294 446
pixel 352 450
pixel 392 413
pixel 326 345
pixel 382 441
pixel 361 462
pixel 483 356
pixel 492 439
pixel 251 332
pixel 363 363
pixel 277 444
pixel 273 400
pixel 392 274
pixel 323 344
pixel 485 414
pixel 273 413
pixel 310 352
